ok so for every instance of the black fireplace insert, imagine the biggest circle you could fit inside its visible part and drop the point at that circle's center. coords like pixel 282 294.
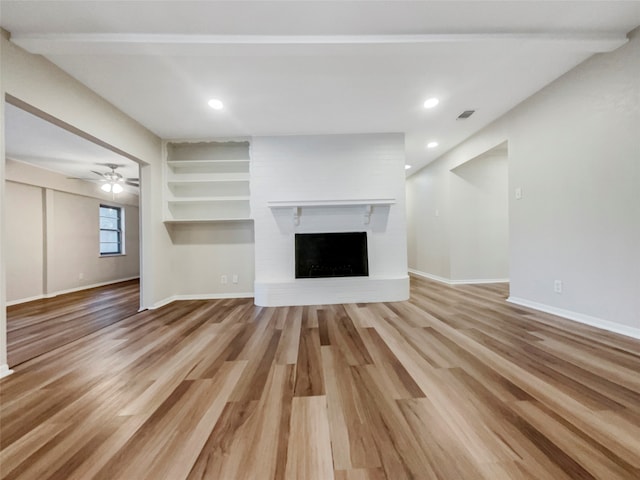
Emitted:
pixel 342 254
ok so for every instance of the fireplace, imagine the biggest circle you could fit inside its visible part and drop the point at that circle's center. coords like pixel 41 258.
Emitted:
pixel 320 255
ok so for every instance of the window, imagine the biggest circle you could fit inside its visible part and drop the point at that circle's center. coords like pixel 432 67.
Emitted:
pixel 111 230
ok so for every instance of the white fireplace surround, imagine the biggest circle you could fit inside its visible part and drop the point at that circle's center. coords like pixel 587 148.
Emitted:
pixel 327 184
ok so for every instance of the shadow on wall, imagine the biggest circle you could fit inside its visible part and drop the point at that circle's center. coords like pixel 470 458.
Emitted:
pixel 222 233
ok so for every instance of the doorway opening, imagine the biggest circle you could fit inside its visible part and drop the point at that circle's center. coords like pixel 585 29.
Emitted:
pixel 61 283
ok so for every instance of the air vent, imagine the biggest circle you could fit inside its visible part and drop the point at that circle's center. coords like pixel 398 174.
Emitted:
pixel 466 114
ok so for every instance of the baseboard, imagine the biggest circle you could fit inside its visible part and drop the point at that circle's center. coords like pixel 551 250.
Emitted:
pixel 163 302
pixel 203 296
pixel 24 300
pixel 5 371
pixel 578 317
pixel 70 290
pixel 457 282
pixel 430 276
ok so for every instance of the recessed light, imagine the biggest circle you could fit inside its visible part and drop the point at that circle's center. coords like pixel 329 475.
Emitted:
pixel 432 102
pixel 216 104
pixel 407 167
pixel 432 144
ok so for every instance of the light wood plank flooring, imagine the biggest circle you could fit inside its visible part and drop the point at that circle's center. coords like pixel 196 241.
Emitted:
pixel 453 384
pixel 37 327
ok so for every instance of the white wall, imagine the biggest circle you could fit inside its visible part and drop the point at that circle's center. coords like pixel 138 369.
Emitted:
pixel 25 241
pixel 203 253
pixel 76 240
pixel 53 234
pixel 574 149
pixel 427 215
pixel 328 167
pixel 4 367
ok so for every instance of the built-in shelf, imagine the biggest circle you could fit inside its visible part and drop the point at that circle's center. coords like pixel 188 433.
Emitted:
pixel 201 220
pixel 207 182
pixel 209 166
pixel 197 163
pixel 298 205
pixel 194 181
pixel 209 199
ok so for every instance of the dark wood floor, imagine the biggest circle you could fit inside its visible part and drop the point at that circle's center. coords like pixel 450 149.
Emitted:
pixel 37 327
pixel 453 384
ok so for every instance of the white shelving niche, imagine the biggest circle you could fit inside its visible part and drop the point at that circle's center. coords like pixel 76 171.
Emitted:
pixel 207 182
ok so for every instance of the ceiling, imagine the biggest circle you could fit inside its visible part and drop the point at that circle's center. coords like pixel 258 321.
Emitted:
pixel 314 67
pixel 33 140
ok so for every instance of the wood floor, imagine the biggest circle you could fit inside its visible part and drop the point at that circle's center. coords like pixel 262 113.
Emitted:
pixel 453 384
pixel 37 327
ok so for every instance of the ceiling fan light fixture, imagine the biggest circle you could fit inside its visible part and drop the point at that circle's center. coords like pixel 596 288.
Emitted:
pixel 216 104
pixel 112 187
pixel 113 180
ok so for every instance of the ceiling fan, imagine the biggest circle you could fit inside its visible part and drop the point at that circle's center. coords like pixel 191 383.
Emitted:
pixel 113 180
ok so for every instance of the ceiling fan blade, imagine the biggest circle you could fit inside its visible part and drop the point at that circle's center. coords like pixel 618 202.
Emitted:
pixel 133 184
pixel 97 173
pixel 132 179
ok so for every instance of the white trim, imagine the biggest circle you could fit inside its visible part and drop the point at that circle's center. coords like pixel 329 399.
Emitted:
pixel 5 371
pixel 430 276
pixel 479 281
pixel 203 296
pixel 331 203
pixel 71 290
pixel 579 317
pixel 448 281
pixel 48 43
pixel 163 302
pixel 24 300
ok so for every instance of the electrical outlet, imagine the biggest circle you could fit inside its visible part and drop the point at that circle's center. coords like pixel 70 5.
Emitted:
pixel 557 286
pixel 518 193
pixel 224 280
pixel 81 276
pixel 234 279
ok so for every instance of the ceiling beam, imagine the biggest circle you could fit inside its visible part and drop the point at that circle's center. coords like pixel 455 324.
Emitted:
pixel 158 44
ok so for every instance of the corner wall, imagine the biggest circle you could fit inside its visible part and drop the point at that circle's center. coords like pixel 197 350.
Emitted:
pixel 479 226
pixel 4 366
pixel 458 220
pixel 574 151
